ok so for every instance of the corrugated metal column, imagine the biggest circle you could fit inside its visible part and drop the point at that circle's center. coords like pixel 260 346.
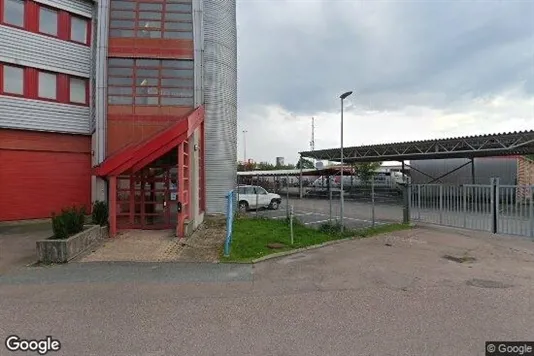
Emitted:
pixel 220 99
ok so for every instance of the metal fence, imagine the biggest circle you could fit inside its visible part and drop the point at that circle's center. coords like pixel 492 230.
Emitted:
pixel 502 209
pixel 365 205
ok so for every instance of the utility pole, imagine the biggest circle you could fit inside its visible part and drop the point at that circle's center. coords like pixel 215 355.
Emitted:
pixel 312 142
pixel 245 146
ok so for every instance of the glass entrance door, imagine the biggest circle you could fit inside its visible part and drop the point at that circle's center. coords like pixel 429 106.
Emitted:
pixel 148 199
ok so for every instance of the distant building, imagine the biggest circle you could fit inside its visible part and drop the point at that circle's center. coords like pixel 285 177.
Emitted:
pixel 279 161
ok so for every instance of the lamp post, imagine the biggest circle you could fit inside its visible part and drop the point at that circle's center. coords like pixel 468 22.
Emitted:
pixel 342 197
pixel 245 146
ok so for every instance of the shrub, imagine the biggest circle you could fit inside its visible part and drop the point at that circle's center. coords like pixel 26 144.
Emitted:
pixel 69 222
pixel 100 213
pixel 332 228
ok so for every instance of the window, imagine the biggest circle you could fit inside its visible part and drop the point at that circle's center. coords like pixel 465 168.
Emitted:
pixel 34 17
pixel 168 19
pixel 78 29
pixel 47 86
pixel 48 23
pixel 13 80
pixel 14 12
pixel 78 91
pixel 32 83
pixel 150 82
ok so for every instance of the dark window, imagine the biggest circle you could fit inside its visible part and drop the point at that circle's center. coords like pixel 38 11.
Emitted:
pixel 141 81
pixel 121 4
pixel 151 19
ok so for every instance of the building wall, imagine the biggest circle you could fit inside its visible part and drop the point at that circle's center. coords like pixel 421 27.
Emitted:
pixel 220 99
pixel 150 74
pixel 42 173
pixel 25 48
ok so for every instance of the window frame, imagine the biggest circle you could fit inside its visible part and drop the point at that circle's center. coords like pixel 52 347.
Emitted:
pixel 155 77
pixel 38 81
pixel 88 29
pixel 30 85
pixel 24 11
pixel 2 80
pixel 58 21
pixel 31 21
pixel 86 91
pixel 141 16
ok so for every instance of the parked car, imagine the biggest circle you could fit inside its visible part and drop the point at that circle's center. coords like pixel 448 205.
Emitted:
pixel 248 195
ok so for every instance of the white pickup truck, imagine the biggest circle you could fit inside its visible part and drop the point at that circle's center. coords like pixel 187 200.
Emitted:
pixel 248 195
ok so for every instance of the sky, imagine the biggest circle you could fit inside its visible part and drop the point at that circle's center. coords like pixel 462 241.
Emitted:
pixel 418 70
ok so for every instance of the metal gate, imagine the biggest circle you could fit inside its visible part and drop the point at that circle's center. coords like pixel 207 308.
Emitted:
pixel 503 209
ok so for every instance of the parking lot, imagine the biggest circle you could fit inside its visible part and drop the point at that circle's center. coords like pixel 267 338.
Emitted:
pixel 314 212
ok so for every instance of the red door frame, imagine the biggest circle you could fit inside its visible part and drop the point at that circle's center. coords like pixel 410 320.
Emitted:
pixel 130 159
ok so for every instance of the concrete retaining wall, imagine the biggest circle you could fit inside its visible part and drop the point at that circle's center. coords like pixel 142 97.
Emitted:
pixel 62 251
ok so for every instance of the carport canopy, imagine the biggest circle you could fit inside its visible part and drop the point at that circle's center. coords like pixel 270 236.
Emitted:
pixel 491 145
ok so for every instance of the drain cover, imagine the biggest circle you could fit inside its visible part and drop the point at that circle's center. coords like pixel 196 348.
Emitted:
pixel 486 283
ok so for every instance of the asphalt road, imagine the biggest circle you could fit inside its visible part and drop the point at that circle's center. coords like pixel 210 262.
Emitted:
pixel 314 212
pixel 391 295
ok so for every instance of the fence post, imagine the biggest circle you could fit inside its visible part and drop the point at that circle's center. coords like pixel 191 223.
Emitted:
pixel 229 222
pixel 496 197
pixel 531 211
pixel 493 208
pixel 256 191
pixel 406 203
pixel 441 204
pixel 373 202
pixel 291 224
pixel 330 198
pixel 464 197
pixel 418 201
pixel 287 195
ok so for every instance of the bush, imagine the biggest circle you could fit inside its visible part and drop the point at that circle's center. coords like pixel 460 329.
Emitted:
pixel 100 213
pixel 331 228
pixel 69 222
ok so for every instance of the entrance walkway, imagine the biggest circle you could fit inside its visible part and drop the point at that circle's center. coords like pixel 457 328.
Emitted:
pixel 162 246
pixel 137 246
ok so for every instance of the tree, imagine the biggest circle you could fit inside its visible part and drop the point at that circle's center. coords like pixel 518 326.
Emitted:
pixel 365 170
pixel 306 163
pixel 265 166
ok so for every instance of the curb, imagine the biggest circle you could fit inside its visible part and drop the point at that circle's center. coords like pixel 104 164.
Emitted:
pixel 302 249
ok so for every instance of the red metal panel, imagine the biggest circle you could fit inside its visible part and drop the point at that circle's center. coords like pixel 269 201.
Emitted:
pixel 112 206
pixel 132 155
pixel 33 184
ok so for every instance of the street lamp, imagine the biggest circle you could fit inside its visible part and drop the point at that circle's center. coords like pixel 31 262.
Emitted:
pixel 342 199
pixel 245 147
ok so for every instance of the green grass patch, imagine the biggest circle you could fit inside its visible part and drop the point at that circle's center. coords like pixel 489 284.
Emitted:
pixel 252 235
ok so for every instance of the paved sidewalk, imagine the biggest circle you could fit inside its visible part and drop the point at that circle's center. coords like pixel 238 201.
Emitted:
pixel 17 243
pixel 162 246
pixel 137 246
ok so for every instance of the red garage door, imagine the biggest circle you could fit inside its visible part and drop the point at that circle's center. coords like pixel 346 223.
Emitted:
pixel 42 172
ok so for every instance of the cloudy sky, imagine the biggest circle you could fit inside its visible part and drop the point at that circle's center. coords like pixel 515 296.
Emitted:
pixel 419 70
